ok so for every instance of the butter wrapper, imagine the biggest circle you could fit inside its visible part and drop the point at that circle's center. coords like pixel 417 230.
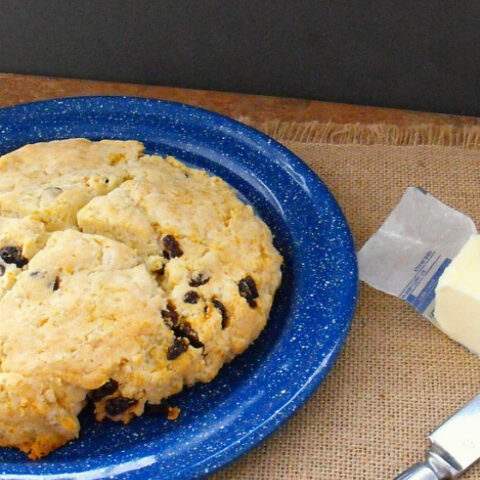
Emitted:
pixel 412 248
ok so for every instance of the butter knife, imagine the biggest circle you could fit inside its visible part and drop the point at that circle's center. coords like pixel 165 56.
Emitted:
pixel 455 447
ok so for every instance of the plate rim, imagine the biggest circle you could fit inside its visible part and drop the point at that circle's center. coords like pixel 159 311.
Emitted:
pixel 261 432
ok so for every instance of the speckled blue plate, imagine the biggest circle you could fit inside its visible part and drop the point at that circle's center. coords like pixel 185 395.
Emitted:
pixel 263 387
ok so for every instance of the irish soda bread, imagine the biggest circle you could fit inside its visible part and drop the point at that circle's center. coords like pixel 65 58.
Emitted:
pixel 123 278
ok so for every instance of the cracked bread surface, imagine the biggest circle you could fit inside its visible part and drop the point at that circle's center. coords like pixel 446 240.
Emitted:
pixel 125 278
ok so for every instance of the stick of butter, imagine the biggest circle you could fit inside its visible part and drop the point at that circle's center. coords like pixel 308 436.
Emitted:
pixel 457 297
pixel 412 248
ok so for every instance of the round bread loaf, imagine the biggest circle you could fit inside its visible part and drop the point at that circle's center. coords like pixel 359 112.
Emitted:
pixel 123 278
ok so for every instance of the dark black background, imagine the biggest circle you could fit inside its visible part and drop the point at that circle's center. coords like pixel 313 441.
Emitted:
pixel 422 55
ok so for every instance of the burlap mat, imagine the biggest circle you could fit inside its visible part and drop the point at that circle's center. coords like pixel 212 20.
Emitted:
pixel 398 377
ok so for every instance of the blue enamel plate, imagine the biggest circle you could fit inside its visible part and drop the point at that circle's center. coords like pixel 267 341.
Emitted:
pixel 313 308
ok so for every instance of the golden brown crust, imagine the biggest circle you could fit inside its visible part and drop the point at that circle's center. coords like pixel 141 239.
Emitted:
pixel 130 289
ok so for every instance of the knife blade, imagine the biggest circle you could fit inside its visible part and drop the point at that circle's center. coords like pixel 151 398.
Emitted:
pixel 455 446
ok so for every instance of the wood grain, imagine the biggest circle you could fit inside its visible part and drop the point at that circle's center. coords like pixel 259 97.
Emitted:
pixel 16 89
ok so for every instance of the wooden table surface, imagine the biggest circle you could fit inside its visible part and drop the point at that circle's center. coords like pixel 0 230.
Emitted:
pixel 16 89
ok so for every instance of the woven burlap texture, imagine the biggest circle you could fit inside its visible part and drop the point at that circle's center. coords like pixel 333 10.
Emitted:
pixel 398 376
